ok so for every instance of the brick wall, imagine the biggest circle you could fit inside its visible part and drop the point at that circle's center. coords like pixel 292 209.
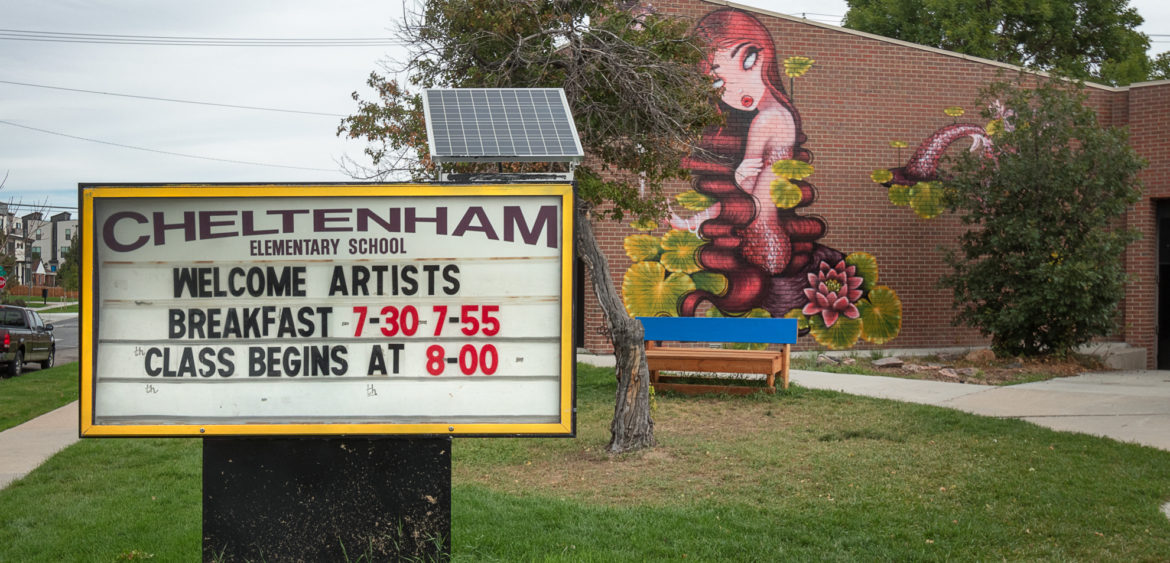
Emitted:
pixel 1148 118
pixel 864 92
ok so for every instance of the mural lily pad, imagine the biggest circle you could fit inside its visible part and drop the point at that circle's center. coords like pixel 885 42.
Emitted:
pixel 795 67
pixel 881 176
pixel 756 313
pixel 842 335
pixel 801 320
pixel 866 268
pixel 898 144
pixel 899 195
pixel 881 315
pixel 712 282
pixel 694 201
pixel 785 194
pixel 792 169
pixel 679 249
pixel 955 111
pixel 648 292
pixel 642 247
pixel 644 225
pixel 926 199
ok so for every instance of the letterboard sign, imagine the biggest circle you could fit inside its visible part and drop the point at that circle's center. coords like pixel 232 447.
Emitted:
pixel 327 310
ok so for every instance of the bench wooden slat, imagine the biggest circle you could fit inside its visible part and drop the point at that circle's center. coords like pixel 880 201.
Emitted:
pixel 684 359
pixel 702 389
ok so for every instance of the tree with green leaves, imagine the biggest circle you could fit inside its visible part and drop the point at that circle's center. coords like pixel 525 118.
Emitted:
pixel 1086 39
pixel 1040 270
pixel 1160 67
pixel 636 93
pixel 69 272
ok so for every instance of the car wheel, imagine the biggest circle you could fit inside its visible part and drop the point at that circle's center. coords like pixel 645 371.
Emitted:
pixel 48 362
pixel 16 366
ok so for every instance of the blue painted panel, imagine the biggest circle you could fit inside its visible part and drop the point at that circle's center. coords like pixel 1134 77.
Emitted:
pixel 720 329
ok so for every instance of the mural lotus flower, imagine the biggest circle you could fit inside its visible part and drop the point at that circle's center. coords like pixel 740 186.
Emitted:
pixel 833 291
pixel 854 283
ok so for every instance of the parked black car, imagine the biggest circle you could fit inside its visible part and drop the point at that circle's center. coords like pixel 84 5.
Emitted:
pixel 24 337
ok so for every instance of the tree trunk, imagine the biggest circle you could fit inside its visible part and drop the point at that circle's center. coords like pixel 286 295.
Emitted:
pixel 631 429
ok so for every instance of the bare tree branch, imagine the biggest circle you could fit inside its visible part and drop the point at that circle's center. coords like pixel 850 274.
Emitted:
pixel 637 95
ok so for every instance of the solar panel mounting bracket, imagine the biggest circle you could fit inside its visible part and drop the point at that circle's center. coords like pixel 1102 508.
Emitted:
pixel 505 177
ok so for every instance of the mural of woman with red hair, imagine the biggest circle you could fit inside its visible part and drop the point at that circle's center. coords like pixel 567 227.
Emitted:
pixel 765 252
pixel 746 251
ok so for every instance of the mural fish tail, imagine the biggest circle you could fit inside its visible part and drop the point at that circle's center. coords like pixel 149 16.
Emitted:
pixel 923 164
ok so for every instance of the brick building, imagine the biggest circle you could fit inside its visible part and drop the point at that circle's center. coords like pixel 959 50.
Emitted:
pixel 836 105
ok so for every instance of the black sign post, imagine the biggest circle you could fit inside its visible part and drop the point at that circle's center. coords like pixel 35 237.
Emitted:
pixel 326 499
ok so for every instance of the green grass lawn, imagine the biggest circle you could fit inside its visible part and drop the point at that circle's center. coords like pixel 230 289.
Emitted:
pixel 34 300
pixel 35 393
pixel 800 475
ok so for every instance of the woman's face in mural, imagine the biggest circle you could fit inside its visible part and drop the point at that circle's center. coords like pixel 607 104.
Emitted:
pixel 738 70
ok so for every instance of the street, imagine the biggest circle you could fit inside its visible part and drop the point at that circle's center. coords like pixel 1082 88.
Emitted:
pixel 65 332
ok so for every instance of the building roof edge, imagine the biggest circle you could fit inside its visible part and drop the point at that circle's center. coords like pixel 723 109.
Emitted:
pixel 917 46
pixel 1150 83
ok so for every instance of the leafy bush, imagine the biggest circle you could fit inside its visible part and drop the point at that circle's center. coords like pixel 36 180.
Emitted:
pixel 1040 270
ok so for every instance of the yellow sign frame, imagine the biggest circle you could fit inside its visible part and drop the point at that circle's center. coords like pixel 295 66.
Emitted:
pixel 90 193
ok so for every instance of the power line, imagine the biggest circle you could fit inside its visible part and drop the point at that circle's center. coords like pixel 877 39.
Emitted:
pixel 170 99
pixel 99 141
pixel 37 206
pixel 101 38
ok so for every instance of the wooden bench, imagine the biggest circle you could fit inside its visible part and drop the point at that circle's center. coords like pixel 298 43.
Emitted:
pixel 770 363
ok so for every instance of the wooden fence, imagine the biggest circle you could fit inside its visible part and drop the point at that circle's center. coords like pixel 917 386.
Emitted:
pixel 33 292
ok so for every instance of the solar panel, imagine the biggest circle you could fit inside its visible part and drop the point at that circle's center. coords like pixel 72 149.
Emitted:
pixel 500 125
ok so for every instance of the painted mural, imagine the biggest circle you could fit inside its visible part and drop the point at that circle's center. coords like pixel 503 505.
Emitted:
pixel 916 184
pixel 739 243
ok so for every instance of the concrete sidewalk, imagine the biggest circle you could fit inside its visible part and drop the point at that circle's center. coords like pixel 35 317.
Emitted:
pixel 1130 406
pixel 25 447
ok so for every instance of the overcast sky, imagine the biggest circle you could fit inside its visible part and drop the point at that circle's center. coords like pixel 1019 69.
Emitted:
pixel 51 140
